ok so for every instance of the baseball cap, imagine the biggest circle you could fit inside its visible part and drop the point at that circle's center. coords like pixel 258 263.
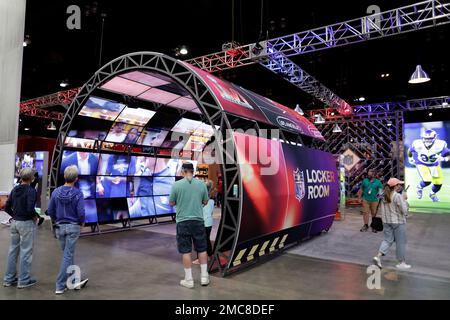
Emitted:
pixel 187 166
pixel 394 181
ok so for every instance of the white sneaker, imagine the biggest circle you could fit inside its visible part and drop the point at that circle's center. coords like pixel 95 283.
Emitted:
pixel 204 280
pixel 403 266
pixel 59 292
pixel 187 283
pixel 377 261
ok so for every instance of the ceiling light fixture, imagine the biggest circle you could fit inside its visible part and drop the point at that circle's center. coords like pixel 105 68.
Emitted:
pixel 26 41
pixel 183 50
pixel 430 114
pixel 64 84
pixel 51 126
pixel 299 110
pixel 319 119
pixel 362 99
pixel 337 129
pixel 419 76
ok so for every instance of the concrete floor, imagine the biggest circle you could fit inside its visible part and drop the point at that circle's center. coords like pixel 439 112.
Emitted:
pixel 144 264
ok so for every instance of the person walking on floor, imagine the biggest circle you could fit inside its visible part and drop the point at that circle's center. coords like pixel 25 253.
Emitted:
pixel 370 188
pixel 189 195
pixel 208 211
pixel 393 209
pixel 66 209
pixel 21 207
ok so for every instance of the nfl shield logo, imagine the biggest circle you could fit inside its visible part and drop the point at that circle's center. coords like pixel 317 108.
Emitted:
pixel 348 160
pixel 299 184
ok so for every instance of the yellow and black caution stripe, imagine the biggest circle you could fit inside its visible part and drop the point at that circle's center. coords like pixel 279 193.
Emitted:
pixel 248 254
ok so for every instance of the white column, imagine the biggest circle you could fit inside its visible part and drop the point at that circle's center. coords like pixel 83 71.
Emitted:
pixel 12 28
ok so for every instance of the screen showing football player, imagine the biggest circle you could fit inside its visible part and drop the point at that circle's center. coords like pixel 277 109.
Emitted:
pixel 427 154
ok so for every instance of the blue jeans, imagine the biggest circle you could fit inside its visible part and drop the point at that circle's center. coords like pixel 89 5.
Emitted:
pixel 394 232
pixel 67 234
pixel 22 236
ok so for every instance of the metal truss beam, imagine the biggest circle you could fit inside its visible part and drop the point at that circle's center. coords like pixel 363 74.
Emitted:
pixel 280 64
pixel 413 17
pixel 386 107
pixel 36 107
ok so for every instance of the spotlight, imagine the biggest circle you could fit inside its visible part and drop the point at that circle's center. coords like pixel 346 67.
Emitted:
pixel 27 129
pixel 257 49
pixel 332 114
pixel 389 123
pixel 299 110
pixel 64 84
pixel 445 105
pixel 26 41
pixel 430 114
pixel 184 51
pixel 362 99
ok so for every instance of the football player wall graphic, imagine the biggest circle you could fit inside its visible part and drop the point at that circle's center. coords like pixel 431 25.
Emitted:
pixel 427 154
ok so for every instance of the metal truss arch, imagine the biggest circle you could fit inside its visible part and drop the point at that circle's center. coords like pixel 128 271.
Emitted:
pixel 211 111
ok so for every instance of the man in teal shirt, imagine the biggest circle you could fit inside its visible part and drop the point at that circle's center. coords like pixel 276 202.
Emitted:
pixel 189 195
pixel 370 188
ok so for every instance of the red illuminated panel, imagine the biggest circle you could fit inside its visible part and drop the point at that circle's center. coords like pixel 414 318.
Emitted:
pixel 262 167
pixel 158 96
pixel 185 103
pixel 144 78
pixel 229 96
pixel 125 86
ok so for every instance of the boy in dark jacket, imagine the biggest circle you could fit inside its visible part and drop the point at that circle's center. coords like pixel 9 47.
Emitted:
pixel 20 206
pixel 66 209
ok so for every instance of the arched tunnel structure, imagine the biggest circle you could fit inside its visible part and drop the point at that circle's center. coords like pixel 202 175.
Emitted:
pixel 142 115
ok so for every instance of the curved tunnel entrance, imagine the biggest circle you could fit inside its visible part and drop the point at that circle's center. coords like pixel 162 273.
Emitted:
pixel 142 115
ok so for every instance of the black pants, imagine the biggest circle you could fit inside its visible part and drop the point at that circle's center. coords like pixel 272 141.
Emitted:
pixel 208 241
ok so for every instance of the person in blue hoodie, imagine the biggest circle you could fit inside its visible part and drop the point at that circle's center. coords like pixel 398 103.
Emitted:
pixel 21 207
pixel 66 209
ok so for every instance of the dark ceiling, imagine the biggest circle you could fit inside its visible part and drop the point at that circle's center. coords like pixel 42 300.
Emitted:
pixel 57 53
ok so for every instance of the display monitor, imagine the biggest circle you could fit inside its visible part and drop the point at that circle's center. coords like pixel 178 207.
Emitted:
pixel 114 165
pixel 89 128
pixel 139 186
pixel 90 211
pixel 86 162
pixel 79 143
pixel 112 210
pixel 135 116
pixel 124 133
pixel 158 96
pixel 141 207
pixel 152 137
pixel 148 78
pixel 163 207
pixel 185 103
pixel 87 185
pixel 427 165
pixel 111 187
pixel 101 108
pixel 125 86
pixel 175 140
pixel 196 143
pixel 162 185
pixel 165 167
pixel 186 126
pixel 142 166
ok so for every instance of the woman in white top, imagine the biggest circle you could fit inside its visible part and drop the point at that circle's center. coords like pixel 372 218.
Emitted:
pixel 394 209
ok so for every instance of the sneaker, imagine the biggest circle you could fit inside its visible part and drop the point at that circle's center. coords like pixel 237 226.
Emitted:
pixel 364 228
pixel 28 284
pixel 41 221
pixel 81 285
pixel 204 281
pixel 377 261
pixel 58 292
pixel 10 284
pixel 187 283
pixel 419 192
pixel 403 266
pixel 434 197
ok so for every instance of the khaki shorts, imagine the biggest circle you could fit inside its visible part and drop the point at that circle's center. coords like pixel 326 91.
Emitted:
pixel 370 207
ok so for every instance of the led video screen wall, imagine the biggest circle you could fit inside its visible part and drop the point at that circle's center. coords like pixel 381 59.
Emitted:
pixel 306 196
pixel 427 171
pixel 120 179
